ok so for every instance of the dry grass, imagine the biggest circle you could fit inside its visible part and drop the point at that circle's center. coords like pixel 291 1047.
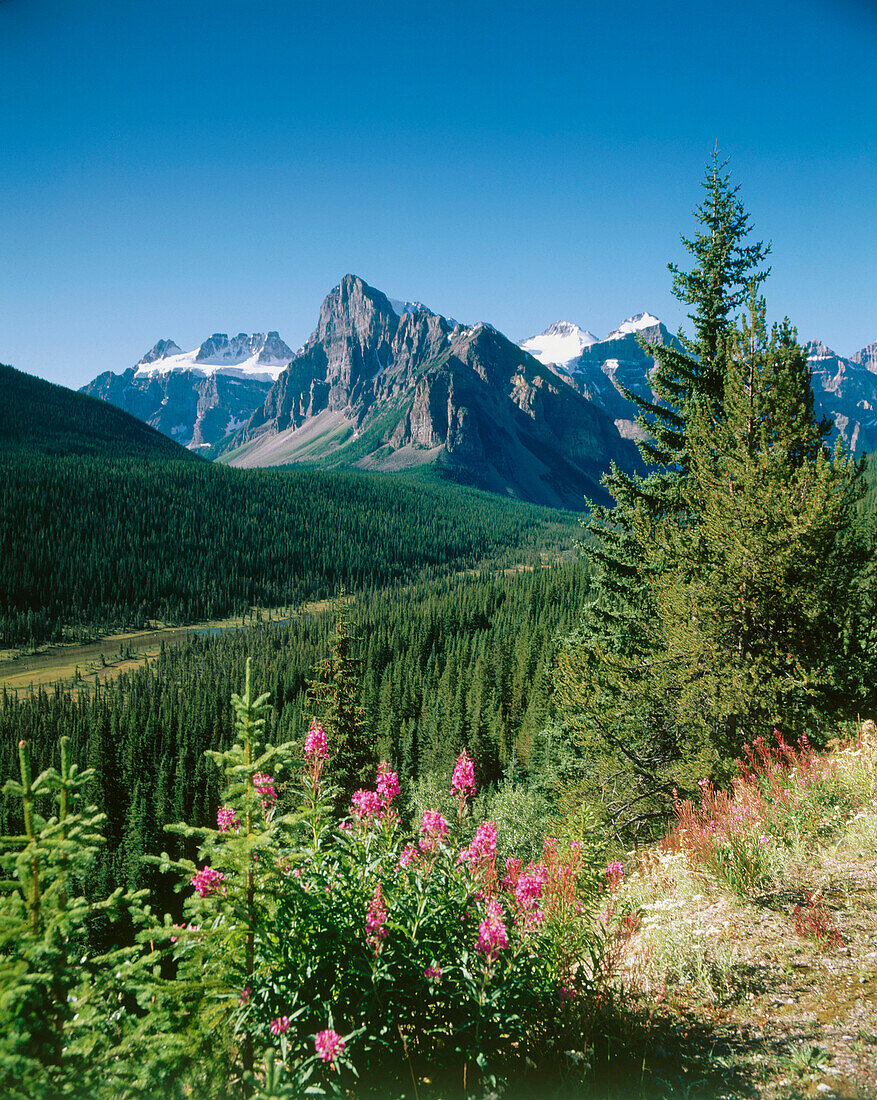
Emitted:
pixel 782 980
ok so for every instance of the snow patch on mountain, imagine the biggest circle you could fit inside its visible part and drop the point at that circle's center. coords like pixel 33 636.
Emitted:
pixel 400 307
pixel 259 356
pixel 636 323
pixel 559 344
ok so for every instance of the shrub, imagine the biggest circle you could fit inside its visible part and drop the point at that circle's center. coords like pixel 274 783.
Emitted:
pixel 315 950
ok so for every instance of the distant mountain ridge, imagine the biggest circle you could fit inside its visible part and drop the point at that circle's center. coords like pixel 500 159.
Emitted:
pixel 197 397
pixel 845 389
pixel 389 384
pixel 378 390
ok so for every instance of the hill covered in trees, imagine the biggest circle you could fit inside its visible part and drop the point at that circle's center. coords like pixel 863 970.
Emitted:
pixel 40 418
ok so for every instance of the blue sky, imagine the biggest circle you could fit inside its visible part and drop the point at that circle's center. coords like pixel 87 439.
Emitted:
pixel 174 169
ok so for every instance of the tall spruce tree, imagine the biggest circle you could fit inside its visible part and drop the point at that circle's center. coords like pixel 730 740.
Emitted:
pixel 605 688
pixel 757 588
pixel 689 371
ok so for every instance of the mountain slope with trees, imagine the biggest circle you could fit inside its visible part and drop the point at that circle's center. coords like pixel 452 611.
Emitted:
pixel 38 417
pixel 90 545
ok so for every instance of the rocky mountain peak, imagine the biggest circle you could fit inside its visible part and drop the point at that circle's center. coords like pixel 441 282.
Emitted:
pixel 213 347
pixel 639 323
pixel 273 349
pixel 559 344
pixel 867 357
pixel 817 350
pixel 353 309
pixel 354 331
pixel 161 350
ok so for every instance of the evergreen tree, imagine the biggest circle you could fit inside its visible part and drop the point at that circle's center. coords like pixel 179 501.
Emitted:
pixel 756 589
pixel 334 692
pixel 66 1028
pixel 688 372
pixel 606 669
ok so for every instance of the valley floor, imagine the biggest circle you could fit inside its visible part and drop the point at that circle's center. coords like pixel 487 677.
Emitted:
pixel 76 665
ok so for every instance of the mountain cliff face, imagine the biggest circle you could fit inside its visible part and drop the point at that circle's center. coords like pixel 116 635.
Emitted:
pixel 197 397
pixel 846 392
pixel 382 391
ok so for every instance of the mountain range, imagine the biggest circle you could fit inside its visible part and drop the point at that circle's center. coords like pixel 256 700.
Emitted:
pixel 386 384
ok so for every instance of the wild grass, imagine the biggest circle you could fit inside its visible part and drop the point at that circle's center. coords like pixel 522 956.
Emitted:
pixel 787 803
pixel 791 811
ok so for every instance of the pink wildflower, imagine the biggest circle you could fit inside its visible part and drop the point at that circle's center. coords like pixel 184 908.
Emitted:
pixel 512 873
pixel 614 874
pixel 329 1045
pixel 463 781
pixel 206 881
pixel 376 918
pixel 245 996
pixel 433 830
pixel 492 933
pixel 409 855
pixel 316 745
pixel 366 804
pixel 529 887
pixel 483 847
pixel 434 973
pixel 264 785
pixel 387 784
pixel 280 1026
pixel 227 818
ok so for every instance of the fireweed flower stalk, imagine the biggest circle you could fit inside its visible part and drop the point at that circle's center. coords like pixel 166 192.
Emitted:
pixel 227 818
pixel 375 921
pixel 614 875
pixel 387 784
pixel 328 1045
pixel 433 830
pixel 480 857
pixel 493 935
pixel 264 787
pixel 366 806
pixel 207 881
pixel 316 753
pixel 463 781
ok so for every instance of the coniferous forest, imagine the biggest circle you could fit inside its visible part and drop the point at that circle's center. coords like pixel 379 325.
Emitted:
pixel 424 841
pixel 92 544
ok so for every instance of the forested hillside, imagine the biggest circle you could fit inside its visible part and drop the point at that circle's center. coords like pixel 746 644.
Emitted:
pixel 89 544
pixel 457 662
pixel 40 418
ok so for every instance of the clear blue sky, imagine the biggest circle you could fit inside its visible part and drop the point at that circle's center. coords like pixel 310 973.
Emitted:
pixel 174 169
